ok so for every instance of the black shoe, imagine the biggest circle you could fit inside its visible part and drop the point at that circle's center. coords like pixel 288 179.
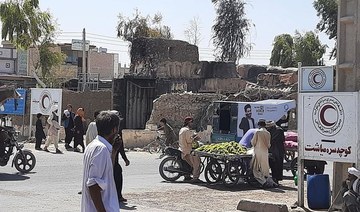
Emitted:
pixel 67 146
pixel 38 148
pixel 76 149
pixel 58 151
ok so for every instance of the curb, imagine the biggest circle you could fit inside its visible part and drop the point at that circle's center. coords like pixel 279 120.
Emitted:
pixel 258 206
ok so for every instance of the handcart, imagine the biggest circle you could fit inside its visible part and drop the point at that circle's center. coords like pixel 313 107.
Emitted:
pixel 228 169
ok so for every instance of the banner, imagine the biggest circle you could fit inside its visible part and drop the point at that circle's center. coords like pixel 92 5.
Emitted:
pixel 43 98
pixel 249 113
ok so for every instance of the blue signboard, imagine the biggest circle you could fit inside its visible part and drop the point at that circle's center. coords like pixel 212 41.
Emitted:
pixel 15 106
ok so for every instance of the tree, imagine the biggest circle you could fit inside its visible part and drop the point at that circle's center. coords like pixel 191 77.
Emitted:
pixel 327 10
pixel 140 26
pixel 25 25
pixel 308 48
pixel 288 51
pixel 192 32
pixel 282 53
pixel 230 30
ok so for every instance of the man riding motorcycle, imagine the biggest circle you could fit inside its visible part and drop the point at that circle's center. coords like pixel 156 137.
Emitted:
pixel 186 138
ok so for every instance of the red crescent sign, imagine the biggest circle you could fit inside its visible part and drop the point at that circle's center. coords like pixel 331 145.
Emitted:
pixel 322 115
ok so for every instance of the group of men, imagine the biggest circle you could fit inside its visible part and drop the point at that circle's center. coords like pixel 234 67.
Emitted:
pixel 268 143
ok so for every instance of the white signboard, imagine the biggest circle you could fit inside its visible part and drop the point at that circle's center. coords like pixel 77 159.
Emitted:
pixel 77 45
pixel 316 79
pixel 329 127
pixel 42 99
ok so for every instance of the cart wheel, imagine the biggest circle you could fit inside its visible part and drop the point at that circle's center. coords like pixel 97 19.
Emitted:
pixel 213 171
pixel 231 173
pixel 154 147
pixel 289 155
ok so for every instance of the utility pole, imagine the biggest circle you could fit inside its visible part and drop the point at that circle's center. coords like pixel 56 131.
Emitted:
pixel 84 68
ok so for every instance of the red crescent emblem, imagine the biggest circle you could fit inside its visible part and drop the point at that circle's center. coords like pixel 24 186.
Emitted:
pixel 314 78
pixel 322 115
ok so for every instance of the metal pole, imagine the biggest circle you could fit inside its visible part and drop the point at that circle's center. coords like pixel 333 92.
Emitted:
pixel 84 59
pixel 300 170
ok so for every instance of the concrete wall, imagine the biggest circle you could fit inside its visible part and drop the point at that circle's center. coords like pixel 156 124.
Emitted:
pixel 137 138
pixel 102 63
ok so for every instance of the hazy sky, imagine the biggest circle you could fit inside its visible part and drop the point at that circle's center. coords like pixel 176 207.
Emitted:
pixel 270 18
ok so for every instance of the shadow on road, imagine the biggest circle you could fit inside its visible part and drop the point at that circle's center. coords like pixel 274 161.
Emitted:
pixel 124 206
pixel 13 177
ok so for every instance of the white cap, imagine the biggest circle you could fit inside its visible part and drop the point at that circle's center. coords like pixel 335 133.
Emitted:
pixel 354 171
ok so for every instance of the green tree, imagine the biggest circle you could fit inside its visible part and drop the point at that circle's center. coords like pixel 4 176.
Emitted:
pixel 282 53
pixel 308 48
pixel 288 51
pixel 142 26
pixel 25 25
pixel 327 10
pixel 230 30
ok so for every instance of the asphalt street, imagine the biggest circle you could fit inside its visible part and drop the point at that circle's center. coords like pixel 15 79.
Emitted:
pixel 54 183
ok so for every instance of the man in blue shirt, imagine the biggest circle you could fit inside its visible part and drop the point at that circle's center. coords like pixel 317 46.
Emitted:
pixel 246 139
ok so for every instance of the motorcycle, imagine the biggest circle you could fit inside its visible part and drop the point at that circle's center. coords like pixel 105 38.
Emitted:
pixel 24 160
pixel 172 167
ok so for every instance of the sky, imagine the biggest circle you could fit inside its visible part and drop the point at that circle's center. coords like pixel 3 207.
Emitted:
pixel 99 18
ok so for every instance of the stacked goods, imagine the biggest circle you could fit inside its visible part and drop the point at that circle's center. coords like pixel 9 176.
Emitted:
pixel 226 148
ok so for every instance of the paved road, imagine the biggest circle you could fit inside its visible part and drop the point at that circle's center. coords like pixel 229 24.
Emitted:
pixel 55 181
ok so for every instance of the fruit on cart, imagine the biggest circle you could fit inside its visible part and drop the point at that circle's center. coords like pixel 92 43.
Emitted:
pixel 226 148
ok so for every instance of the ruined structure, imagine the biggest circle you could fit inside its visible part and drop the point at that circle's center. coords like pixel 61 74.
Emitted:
pixel 161 66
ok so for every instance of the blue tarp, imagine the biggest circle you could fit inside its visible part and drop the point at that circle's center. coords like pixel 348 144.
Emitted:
pixel 15 106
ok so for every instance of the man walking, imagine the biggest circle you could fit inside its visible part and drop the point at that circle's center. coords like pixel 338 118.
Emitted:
pixel 99 190
pixel 68 119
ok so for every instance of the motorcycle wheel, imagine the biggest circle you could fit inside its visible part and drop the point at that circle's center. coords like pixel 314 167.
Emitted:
pixel 25 162
pixel 213 171
pixel 169 162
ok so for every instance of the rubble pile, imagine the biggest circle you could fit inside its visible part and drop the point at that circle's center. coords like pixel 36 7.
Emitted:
pixel 175 107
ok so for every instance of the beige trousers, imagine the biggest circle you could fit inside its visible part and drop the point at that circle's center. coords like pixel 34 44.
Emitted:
pixel 194 162
pixel 52 139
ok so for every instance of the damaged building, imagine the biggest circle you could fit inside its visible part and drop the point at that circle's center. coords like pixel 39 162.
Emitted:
pixel 172 67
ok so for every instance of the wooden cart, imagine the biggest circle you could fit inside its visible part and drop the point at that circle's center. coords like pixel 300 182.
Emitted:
pixel 228 169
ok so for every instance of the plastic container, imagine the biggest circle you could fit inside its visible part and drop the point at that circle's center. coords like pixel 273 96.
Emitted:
pixel 318 191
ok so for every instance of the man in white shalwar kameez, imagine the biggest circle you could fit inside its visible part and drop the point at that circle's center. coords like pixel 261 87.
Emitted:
pixel 260 161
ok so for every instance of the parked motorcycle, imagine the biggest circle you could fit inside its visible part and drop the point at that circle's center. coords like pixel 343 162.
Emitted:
pixel 172 167
pixel 23 160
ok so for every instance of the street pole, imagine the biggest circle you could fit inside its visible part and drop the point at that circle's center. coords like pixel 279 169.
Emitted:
pixel 347 71
pixel 84 78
